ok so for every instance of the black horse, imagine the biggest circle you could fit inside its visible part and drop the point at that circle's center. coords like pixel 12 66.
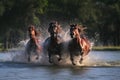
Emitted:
pixel 53 44
pixel 77 46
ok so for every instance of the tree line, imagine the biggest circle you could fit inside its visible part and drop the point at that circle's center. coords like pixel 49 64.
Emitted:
pixel 101 17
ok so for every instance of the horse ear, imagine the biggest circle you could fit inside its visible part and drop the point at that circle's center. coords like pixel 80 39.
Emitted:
pixel 73 25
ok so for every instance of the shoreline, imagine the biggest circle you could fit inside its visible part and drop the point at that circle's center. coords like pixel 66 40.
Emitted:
pixel 106 48
pixel 94 48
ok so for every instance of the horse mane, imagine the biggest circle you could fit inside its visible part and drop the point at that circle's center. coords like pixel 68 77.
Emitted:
pixel 81 29
pixel 37 33
pixel 54 24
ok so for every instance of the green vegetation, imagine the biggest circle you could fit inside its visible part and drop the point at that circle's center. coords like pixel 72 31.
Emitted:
pixel 101 17
pixel 106 48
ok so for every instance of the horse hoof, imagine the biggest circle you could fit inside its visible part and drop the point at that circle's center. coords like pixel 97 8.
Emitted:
pixel 37 57
pixel 50 61
pixel 28 59
pixel 81 60
pixel 59 59
pixel 73 63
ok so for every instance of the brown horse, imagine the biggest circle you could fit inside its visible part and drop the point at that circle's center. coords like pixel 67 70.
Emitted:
pixel 33 45
pixel 79 45
pixel 53 44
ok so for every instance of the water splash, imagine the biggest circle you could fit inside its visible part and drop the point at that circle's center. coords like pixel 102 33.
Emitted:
pixel 18 55
pixel 92 60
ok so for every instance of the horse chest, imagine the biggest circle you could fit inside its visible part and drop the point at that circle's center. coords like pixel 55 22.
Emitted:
pixel 74 45
pixel 54 46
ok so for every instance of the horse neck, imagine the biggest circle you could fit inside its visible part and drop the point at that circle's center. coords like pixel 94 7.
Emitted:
pixel 77 38
pixel 54 38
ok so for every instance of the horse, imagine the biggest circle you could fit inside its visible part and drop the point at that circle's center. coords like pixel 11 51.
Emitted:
pixel 53 44
pixel 31 49
pixel 78 46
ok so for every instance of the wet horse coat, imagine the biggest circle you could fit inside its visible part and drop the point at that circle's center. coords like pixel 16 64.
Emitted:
pixel 33 45
pixel 78 46
pixel 53 44
pixel 32 49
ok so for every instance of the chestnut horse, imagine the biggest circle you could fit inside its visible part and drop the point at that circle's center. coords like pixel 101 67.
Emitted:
pixel 53 44
pixel 79 45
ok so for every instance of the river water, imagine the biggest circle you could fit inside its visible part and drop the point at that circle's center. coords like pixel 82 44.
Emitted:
pixel 98 65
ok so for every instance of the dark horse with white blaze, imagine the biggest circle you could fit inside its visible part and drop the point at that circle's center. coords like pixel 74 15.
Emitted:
pixel 53 44
pixel 78 46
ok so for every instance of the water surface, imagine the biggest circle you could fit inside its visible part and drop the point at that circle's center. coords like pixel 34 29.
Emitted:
pixel 99 65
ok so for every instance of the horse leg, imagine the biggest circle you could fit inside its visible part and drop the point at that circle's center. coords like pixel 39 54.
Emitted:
pixel 28 52
pixel 50 60
pixel 37 53
pixel 37 56
pixel 60 57
pixel 81 58
pixel 28 56
pixel 60 51
pixel 29 59
pixel 72 59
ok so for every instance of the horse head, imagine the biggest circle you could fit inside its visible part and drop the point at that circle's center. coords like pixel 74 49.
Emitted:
pixel 54 29
pixel 76 30
pixel 72 27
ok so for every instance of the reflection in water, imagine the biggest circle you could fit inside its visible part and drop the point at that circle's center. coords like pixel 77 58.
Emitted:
pixel 65 73
pixel 78 71
pixel 22 71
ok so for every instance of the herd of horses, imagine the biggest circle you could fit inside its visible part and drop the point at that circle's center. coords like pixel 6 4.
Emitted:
pixel 53 45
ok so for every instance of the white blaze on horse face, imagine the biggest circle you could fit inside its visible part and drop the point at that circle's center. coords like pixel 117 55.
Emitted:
pixel 76 33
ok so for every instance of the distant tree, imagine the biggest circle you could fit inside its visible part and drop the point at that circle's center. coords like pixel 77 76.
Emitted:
pixel 102 17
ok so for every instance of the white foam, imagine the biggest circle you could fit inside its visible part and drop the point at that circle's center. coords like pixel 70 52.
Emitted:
pixel 18 55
